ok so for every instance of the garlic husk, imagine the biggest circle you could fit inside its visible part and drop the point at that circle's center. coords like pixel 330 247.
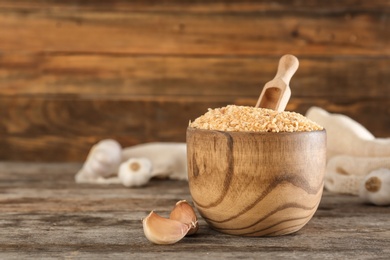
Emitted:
pixel 184 213
pixel 161 230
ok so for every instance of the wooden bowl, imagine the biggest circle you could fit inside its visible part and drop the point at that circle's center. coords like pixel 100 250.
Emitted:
pixel 256 184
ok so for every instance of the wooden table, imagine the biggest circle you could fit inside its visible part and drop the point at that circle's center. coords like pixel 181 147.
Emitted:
pixel 44 214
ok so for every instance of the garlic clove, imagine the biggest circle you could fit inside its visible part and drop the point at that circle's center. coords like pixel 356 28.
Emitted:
pixel 184 213
pixel 161 230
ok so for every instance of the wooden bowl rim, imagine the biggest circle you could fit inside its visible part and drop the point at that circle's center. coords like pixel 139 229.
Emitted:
pixel 254 132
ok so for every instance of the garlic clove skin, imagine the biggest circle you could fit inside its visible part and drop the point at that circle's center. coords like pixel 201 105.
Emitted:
pixel 163 231
pixel 184 213
pixel 135 172
pixel 375 187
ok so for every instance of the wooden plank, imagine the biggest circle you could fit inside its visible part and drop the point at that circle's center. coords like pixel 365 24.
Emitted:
pixel 65 129
pixel 78 117
pixel 49 148
pixel 41 129
pixel 157 118
pixel 109 75
pixel 181 33
pixel 104 222
pixel 202 6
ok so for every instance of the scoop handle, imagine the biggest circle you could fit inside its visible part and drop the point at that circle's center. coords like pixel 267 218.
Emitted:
pixel 288 65
pixel 276 93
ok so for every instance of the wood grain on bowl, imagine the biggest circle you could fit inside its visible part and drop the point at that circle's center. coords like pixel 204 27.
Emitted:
pixel 256 184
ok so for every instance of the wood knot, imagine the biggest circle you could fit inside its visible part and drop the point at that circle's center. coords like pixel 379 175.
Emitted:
pixel 373 184
pixel 135 166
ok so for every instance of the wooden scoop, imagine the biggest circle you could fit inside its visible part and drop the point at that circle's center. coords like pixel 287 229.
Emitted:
pixel 276 93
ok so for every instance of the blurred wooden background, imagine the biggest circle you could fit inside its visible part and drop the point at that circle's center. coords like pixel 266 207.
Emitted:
pixel 77 71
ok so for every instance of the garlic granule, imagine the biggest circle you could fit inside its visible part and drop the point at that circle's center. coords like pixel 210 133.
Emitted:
pixel 252 119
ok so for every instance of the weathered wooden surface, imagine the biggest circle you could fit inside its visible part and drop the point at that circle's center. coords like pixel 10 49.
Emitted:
pixel 74 72
pixel 45 215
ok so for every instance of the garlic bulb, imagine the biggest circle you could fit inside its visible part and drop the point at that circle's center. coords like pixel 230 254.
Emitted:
pixel 169 160
pixel 345 173
pixel 347 136
pixel 135 172
pixel 103 161
pixel 376 187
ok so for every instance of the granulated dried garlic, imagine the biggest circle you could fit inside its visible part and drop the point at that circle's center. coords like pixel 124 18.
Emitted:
pixel 245 118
